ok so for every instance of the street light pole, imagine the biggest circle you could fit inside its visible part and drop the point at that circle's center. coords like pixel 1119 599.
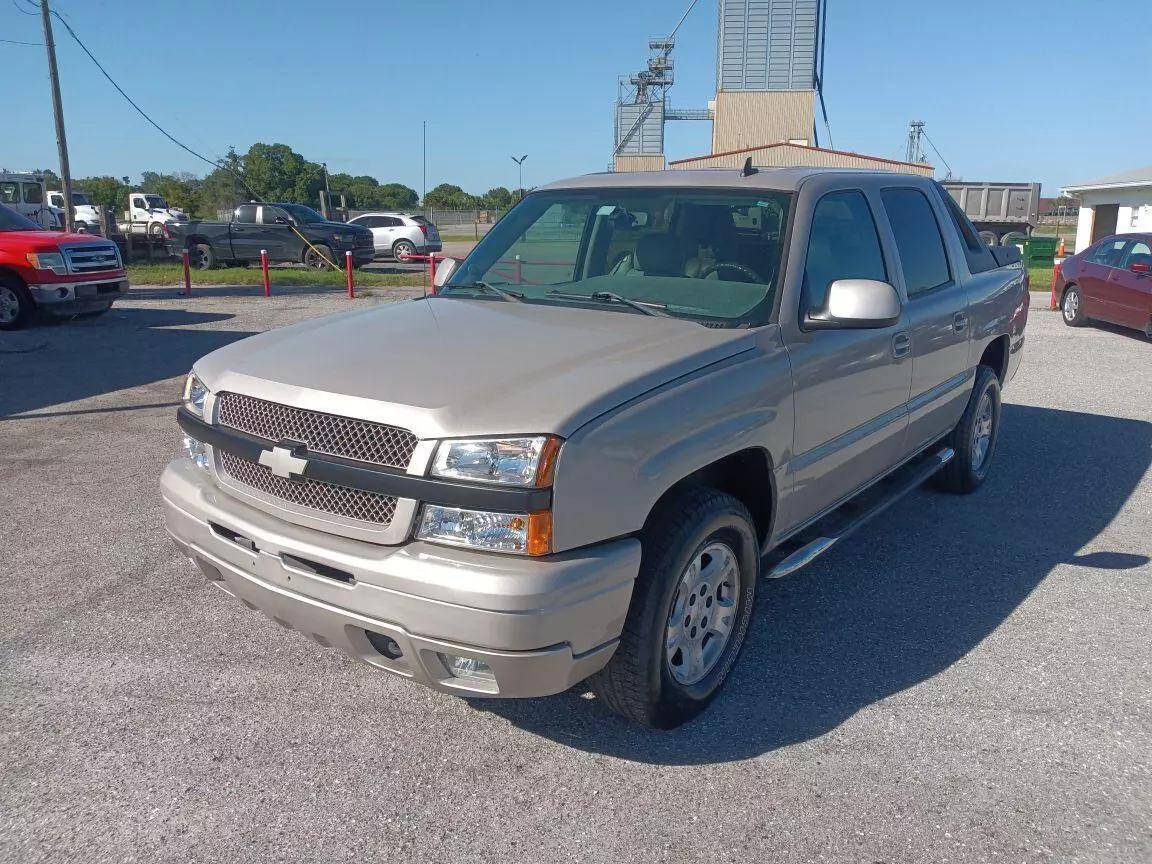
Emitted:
pixel 520 163
pixel 58 110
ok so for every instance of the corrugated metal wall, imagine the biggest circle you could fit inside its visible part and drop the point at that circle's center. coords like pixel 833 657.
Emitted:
pixel 753 119
pixel 766 45
pixel 790 156
pixel 648 138
pixel 639 163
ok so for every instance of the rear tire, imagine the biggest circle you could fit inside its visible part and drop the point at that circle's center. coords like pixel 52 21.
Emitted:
pixel 16 304
pixel 696 587
pixel 401 249
pixel 1072 307
pixel 974 438
pixel 202 257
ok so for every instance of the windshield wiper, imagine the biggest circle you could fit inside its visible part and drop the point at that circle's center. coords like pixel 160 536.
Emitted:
pixel 647 308
pixel 514 296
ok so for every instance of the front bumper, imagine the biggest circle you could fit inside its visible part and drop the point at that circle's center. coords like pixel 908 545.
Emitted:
pixel 541 625
pixel 74 298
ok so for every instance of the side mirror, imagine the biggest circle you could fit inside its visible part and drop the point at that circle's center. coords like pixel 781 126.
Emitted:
pixel 1140 267
pixel 856 304
pixel 280 220
pixel 445 269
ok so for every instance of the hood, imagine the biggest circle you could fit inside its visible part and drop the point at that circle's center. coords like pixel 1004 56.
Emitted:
pixel 454 367
pixel 44 241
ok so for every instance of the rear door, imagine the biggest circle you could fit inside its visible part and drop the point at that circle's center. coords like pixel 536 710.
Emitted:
pixel 1094 275
pixel 1130 286
pixel 937 314
pixel 851 386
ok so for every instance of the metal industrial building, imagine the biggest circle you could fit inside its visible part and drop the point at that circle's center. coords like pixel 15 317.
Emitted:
pixel 769 59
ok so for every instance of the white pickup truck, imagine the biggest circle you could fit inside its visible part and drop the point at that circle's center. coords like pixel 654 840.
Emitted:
pixel 148 214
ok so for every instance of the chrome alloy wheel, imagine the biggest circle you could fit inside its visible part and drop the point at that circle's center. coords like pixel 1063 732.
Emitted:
pixel 982 432
pixel 703 613
pixel 9 305
pixel 1071 305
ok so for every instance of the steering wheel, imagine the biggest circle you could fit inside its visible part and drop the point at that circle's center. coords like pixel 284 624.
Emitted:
pixel 731 265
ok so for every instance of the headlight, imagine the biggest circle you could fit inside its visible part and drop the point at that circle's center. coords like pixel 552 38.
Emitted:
pixel 194 394
pixel 343 238
pixel 507 461
pixel 521 533
pixel 53 261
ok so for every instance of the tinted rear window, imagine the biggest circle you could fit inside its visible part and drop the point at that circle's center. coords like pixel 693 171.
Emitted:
pixel 918 239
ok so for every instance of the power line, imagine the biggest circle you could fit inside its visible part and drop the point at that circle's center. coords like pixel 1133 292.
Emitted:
pixel 16 42
pixel 20 8
pixel 938 153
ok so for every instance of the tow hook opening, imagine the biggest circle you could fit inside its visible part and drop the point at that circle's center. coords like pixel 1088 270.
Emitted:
pixel 386 645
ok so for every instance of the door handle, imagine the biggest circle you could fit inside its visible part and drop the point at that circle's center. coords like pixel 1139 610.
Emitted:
pixel 901 344
pixel 959 322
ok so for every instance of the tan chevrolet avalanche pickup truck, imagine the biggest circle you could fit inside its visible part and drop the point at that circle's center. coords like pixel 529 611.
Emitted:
pixel 639 395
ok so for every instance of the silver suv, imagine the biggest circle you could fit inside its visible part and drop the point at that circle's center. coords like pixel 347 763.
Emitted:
pixel 400 234
pixel 637 397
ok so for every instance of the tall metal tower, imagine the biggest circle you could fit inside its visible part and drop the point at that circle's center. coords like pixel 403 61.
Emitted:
pixel 914 152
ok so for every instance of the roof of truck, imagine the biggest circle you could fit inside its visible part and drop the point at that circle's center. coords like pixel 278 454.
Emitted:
pixel 780 179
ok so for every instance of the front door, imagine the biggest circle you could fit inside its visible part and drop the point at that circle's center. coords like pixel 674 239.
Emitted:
pixel 1129 287
pixel 937 317
pixel 246 239
pixel 277 237
pixel 851 386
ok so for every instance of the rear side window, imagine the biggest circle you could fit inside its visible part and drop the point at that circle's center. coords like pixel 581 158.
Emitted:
pixel 419 220
pixel 1108 253
pixel 1140 253
pixel 390 222
pixel 246 213
pixel 843 244
pixel 918 239
pixel 976 251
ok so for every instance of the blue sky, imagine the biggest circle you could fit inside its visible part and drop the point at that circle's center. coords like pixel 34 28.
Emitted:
pixel 1050 91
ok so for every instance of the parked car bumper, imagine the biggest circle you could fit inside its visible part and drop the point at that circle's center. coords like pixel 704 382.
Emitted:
pixel 75 298
pixel 541 625
pixel 434 246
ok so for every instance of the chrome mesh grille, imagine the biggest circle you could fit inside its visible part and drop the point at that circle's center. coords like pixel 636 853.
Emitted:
pixel 314 494
pixel 322 433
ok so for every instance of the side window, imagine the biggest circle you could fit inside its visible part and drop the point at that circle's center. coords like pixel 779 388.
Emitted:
pixel 390 222
pixel 139 202
pixel 368 221
pixel 33 193
pixel 843 244
pixel 918 239
pixel 1109 253
pixel 1139 253
pixel 246 213
pixel 976 251
pixel 268 215
pixel 9 193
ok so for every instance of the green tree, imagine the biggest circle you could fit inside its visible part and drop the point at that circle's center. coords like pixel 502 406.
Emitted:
pixel 397 196
pixel 222 189
pixel 499 198
pixel 107 191
pixel 51 178
pixel 276 172
pixel 449 197
pixel 180 190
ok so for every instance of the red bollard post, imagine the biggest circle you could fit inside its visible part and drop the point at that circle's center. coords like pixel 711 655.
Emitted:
pixel 348 274
pixel 431 274
pixel 187 275
pixel 264 268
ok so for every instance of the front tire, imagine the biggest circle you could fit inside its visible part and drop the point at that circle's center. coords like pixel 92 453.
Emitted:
pixel 314 257
pixel 690 610
pixel 156 230
pixel 16 304
pixel 974 438
pixel 1072 307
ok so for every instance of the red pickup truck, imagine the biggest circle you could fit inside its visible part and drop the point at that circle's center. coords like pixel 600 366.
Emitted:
pixel 54 272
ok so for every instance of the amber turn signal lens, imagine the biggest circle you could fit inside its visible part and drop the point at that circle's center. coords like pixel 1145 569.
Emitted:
pixel 546 467
pixel 539 533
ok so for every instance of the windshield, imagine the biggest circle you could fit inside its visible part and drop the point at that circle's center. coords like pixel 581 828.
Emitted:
pixel 300 213
pixel 80 198
pixel 156 202
pixel 10 220
pixel 707 254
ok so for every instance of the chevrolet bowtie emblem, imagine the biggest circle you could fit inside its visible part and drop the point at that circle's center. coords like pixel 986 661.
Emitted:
pixel 281 462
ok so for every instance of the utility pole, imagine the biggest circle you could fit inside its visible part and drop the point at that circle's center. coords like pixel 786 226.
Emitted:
pixel 424 191
pixel 58 110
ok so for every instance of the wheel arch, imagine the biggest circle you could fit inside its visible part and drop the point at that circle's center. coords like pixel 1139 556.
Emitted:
pixel 995 357
pixel 13 274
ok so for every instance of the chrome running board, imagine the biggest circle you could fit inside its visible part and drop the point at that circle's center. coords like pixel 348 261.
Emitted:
pixel 808 544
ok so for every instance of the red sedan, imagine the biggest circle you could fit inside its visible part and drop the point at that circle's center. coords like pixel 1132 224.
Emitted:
pixel 1110 281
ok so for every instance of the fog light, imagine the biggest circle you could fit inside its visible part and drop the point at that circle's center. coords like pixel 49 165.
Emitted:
pixel 197 451
pixel 468 667
pixel 62 293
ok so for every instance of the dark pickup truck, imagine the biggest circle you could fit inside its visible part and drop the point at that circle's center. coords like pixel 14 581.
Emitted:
pixel 280 229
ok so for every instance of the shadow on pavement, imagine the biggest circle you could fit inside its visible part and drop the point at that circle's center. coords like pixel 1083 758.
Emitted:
pixel 65 361
pixel 899 602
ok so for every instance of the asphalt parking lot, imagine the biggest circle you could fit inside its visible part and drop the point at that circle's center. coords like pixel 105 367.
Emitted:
pixel 968 679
